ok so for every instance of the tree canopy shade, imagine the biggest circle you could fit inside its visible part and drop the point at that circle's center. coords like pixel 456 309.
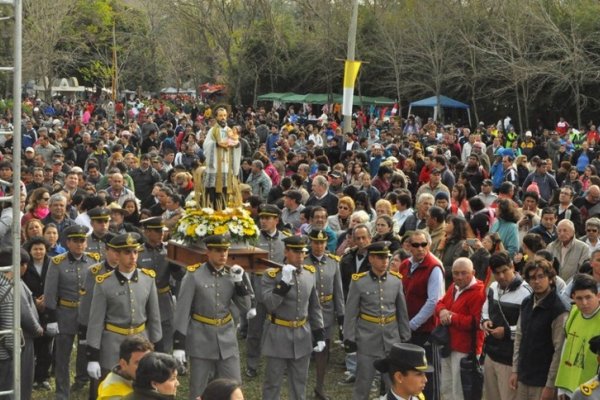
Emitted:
pixel 322 98
pixel 439 102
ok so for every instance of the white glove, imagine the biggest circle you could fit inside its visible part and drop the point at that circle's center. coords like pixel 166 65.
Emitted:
pixel 319 347
pixel 237 273
pixel 179 356
pixel 93 370
pixel 287 274
pixel 52 329
pixel 251 313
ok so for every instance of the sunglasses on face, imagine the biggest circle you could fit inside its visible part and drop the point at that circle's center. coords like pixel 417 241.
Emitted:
pixel 591 230
pixel 417 245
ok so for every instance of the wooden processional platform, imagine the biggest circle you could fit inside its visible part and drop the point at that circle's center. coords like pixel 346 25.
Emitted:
pixel 251 258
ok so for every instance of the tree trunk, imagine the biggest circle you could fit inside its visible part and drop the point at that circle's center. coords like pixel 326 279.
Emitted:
pixel 518 101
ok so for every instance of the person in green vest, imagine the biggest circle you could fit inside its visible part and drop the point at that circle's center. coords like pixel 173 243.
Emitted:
pixel 591 389
pixel 578 363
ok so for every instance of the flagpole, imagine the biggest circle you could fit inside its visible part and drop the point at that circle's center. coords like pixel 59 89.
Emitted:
pixel 349 91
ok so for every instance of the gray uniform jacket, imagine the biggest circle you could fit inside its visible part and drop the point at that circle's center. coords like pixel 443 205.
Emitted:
pixel 207 293
pixel 275 246
pixel 124 304
pixel 296 302
pixel 329 287
pixel 154 258
pixel 96 245
pixel 377 297
pixel 90 281
pixel 64 287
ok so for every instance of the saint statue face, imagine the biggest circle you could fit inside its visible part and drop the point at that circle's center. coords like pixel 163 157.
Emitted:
pixel 222 118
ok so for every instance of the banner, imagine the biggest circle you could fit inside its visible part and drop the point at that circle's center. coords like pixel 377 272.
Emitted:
pixel 351 69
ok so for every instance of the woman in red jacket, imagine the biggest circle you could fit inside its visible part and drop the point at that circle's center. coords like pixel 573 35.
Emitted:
pixel 460 310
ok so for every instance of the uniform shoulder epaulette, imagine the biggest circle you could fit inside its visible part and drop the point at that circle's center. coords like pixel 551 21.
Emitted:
pixel 59 258
pixel 101 278
pixel 310 268
pixel 94 269
pixel 396 274
pixel 272 272
pixel 356 277
pixel 588 388
pixel 334 257
pixel 193 267
pixel 94 255
pixel 151 273
pixel 286 233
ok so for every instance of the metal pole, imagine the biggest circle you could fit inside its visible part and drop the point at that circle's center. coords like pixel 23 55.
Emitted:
pixel 16 203
pixel 347 123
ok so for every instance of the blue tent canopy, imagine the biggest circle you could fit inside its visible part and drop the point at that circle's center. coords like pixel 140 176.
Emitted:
pixel 443 101
pixel 439 102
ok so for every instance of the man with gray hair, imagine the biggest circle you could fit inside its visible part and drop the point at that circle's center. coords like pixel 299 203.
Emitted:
pixel 259 181
pixel 419 219
pixel 460 311
pixel 322 197
pixel 592 236
pixel 58 215
pixel 423 281
pixel 568 250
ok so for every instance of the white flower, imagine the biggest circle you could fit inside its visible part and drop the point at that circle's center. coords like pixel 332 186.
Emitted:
pixel 201 230
pixel 208 211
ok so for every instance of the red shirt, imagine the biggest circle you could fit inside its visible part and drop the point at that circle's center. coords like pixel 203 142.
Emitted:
pixel 465 309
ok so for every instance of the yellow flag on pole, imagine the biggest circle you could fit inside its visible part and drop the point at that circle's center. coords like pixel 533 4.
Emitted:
pixel 351 69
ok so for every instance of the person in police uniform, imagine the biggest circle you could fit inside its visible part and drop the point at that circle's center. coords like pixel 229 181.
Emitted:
pixel 376 316
pixel 63 289
pixel 204 327
pixel 405 366
pixel 591 389
pixel 96 241
pixel 331 297
pixel 271 240
pixel 108 264
pixel 125 302
pixel 153 256
pixel 294 322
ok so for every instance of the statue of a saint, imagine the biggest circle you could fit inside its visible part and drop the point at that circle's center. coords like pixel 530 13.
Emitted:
pixel 223 159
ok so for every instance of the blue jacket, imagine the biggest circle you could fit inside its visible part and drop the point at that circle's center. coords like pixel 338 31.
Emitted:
pixel 497 175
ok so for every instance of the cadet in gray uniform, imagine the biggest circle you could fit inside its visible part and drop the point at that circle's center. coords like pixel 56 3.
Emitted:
pixel 125 303
pixel 153 256
pixel 591 389
pixel 294 321
pixel 108 264
pixel 99 218
pixel 331 297
pixel 63 289
pixel 376 317
pixel 271 240
pixel 405 367
pixel 204 326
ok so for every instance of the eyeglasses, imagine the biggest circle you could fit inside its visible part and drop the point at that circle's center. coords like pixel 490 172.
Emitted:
pixel 537 277
pixel 567 193
pixel 592 230
pixel 343 208
pixel 417 245
pixel 46 198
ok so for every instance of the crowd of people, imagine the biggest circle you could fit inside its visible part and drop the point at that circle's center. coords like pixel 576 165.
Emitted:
pixel 402 239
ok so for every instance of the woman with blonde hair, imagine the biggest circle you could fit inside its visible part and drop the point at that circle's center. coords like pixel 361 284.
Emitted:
pixel 33 227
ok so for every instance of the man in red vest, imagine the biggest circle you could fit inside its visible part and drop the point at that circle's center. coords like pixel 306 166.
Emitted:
pixel 423 280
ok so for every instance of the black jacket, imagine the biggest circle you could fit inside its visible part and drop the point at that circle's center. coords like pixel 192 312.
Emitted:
pixel 348 268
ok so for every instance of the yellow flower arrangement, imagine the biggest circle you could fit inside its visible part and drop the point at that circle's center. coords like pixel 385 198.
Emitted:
pixel 196 223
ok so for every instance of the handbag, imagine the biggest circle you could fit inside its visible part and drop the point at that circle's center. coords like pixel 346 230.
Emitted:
pixel 471 371
pixel 440 336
